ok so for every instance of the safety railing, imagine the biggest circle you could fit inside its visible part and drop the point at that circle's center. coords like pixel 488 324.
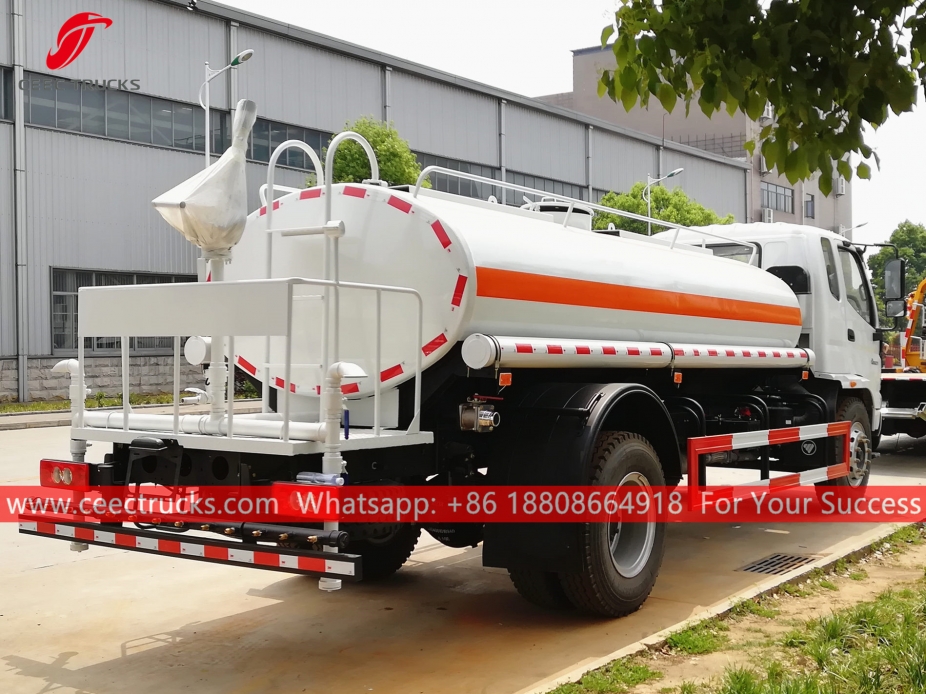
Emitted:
pixel 575 202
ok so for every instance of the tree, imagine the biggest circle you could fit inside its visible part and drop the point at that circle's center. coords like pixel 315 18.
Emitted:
pixel 671 206
pixel 826 67
pixel 397 163
pixel 910 240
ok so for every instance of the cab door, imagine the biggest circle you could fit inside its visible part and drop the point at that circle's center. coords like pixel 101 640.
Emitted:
pixel 863 348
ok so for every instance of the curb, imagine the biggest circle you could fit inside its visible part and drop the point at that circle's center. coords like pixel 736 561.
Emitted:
pixel 854 548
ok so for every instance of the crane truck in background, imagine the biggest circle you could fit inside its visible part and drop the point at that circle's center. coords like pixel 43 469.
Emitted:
pixel 474 343
pixel 903 384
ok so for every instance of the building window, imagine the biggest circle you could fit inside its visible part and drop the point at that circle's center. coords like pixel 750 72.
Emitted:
pixel 777 197
pixel 86 108
pixel 569 190
pixel 810 209
pixel 64 287
pixel 267 135
pixel 6 93
pixel 461 186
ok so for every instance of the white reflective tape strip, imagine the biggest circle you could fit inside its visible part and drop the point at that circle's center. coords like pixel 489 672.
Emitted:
pixel 192 550
pixel 64 530
pixel 242 555
pixel 103 536
pixel 748 439
pixel 146 543
pixel 341 568
pixel 29 526
pixel 288 561
pixel 820 474
pixel 813 431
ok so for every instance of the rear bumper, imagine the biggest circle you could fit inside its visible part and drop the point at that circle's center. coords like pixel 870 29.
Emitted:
pixel 347 567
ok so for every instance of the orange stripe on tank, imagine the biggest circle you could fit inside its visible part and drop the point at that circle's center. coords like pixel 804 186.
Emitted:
pixel 492 283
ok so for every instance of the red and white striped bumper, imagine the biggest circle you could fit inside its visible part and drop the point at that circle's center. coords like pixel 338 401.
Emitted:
pixel 311 563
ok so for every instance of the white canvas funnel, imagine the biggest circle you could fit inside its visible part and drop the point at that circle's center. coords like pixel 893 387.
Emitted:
pixel 210 208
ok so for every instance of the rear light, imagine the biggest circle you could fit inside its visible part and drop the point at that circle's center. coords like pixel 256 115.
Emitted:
pixel 64 475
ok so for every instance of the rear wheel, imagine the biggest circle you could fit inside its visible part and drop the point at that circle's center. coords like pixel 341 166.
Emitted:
pixel 620 560
pixel 542 588
pixel 860 445
pixel 384 548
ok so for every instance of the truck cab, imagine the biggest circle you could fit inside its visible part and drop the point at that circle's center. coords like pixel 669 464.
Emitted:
pixel 829 277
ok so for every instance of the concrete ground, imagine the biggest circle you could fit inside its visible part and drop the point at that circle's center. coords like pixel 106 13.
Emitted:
pixel 107 621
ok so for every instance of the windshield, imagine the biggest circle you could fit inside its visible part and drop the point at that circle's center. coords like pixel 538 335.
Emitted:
pixel 735 251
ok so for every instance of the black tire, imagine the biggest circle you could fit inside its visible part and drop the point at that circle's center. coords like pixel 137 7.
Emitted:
pixel 860 445
pixel 382 557
pixel 601 587
pixel 541 588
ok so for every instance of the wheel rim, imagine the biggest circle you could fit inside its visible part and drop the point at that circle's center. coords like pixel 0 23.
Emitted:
pixel 631 543
pixel 859 454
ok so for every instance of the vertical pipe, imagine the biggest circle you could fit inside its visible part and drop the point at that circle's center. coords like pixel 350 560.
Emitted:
pixel 233 73
pixel 588 161
pixel 80 380
pixel 19 201
pixel 416 423
pixel 231 384
pixel 125 382
pixel 378 370
pixel 336 347
pixel 207 120
pixel 176 384
pixel 387 93
pixel 288 366
pixel 502 149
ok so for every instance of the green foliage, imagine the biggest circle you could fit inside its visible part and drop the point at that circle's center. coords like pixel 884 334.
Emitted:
pixel 671 206
pixel 397 163
pixel 617 677
pixel 826 69
pixel 704 637
pixel 910 240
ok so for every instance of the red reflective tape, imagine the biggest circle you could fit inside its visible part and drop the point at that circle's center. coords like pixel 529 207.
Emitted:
pixel 400 204
pixel 458 291
pixel 45 528
pixel 747 353
pixel 263 211
pixel 521 348
pixel 837 428
pixel 655 352
pixel 712 352
pixel 834 472
pixel 790 355
pixel 633 351
pixel 169 546
pixel 679 352
pixel 554 349
pixel 125 540
pixel 391 372
pixel 730 353
pixel 789 435
pixel 266 559
pixel 582 349
pixel 761 354
pixel 349 388
pixel 776 354
pixel 440 233
pixel 608 349
pixel 278 382
pixel 247 366
pixel 355 192
pixel 212 552
pixel 713 444
pixel 434 344
pixel 784 481
pixel 276 205
pixel 697 352
pixel 83 534
pixel 310 193
pixel 312 564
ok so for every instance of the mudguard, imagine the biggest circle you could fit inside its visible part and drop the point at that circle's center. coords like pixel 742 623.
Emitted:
pixel 548 439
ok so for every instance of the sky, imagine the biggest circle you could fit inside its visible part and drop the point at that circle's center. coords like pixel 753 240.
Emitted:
pixel 525 46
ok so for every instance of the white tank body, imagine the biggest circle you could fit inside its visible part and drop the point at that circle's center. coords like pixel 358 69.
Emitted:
pixel 484 268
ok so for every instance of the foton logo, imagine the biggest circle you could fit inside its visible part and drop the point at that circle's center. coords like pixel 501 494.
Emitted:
pixel 73 37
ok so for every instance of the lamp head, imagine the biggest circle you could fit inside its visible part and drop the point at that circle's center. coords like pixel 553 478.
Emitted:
pixel 242 57
pixel 675 173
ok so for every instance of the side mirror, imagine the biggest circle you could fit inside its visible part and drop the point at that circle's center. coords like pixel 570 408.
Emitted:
pixel 895 279
pixel 895 308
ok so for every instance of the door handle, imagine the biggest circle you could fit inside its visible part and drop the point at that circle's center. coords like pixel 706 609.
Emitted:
pixel 851 335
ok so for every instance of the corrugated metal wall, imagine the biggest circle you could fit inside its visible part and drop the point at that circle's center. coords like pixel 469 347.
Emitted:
pixel 618 162
pixel 444 120
pixel 163 47
pixel 89 206
pixel 257 176
pixel 7 247
pixel 307 86
pixel 720 187
pixel 544 145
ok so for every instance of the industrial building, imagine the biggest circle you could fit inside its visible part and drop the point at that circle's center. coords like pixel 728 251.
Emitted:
pixel 770 196
pixel 100 114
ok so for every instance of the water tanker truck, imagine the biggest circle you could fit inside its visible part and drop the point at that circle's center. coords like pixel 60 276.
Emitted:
pixel 402 336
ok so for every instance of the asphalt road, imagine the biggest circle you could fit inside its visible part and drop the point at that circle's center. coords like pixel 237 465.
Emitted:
pixel 107 621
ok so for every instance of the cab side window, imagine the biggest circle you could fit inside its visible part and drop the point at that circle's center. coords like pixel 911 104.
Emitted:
pixel 830 261
pixel 856 286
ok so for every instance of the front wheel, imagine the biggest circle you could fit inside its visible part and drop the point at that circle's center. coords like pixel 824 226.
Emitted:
pixel 620 561
pixel 860 445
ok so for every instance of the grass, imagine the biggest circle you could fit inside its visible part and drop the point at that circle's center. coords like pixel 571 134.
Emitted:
pixel 705 637
pixel 760 607
pixel 617 677
pixel 96 401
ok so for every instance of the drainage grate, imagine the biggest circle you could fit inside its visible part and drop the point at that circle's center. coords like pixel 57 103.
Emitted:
pixel 778 564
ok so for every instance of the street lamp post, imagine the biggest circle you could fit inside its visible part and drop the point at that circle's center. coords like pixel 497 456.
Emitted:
pixel 211 74
pixel 650 182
